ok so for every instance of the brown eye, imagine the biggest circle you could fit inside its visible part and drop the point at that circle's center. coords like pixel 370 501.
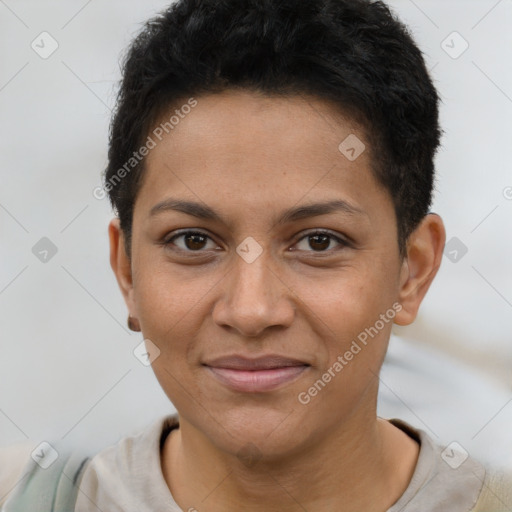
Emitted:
pixel 320 241
pixel 192 241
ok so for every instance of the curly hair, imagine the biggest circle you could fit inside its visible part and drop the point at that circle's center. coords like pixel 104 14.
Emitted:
pixel 354 53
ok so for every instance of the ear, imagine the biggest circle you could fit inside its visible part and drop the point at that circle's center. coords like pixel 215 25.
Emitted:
pixel 424 254
pixel 121 264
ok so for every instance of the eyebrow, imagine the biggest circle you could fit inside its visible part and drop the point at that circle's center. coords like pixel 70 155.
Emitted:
pixel 203 211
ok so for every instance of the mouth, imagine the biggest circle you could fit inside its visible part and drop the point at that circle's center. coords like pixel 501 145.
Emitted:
pixel 256 375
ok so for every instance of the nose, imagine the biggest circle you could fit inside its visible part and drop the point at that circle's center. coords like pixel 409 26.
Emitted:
pixel 253 298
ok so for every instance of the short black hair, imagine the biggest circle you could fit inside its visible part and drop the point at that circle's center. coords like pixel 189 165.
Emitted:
pixel 355 53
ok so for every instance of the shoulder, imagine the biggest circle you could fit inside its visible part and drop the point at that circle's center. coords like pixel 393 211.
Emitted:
pixel 496 493
pixel 445 477
pixel 122 475
pixel 131 450
pixel 69 476
pixel 452 478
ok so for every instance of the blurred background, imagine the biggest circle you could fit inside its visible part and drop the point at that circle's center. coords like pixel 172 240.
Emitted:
pixel 67 366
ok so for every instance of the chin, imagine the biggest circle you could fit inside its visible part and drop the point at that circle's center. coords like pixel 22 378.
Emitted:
pixel 260 431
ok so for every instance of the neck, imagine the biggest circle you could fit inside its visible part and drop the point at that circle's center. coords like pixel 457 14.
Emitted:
pixel 364 465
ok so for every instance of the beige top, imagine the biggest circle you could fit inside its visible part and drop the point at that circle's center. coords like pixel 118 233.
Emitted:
pixel 127 477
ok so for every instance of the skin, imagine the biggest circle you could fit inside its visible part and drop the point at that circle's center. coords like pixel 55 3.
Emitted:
pixel 250 157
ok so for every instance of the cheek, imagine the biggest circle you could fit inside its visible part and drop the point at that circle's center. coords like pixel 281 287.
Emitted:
pixel 169 305
pixel 357 313
pixel 170 308
pixel 167 293
pixel 356 342
pixel 352 300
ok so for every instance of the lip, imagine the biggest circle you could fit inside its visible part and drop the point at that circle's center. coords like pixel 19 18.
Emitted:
pixel 256 375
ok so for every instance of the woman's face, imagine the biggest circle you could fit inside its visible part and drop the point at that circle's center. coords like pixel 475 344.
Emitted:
pixel 255 309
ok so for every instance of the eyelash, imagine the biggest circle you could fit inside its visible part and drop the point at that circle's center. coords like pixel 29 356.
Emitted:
pixel 344 243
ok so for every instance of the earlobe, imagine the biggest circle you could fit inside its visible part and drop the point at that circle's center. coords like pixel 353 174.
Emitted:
pixel 120 263
pixel 424 253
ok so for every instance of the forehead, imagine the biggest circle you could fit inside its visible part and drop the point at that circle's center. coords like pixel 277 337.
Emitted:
pixel 248 149
pixel 246 118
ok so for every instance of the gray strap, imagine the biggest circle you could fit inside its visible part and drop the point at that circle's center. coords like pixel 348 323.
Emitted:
pixel 53 489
